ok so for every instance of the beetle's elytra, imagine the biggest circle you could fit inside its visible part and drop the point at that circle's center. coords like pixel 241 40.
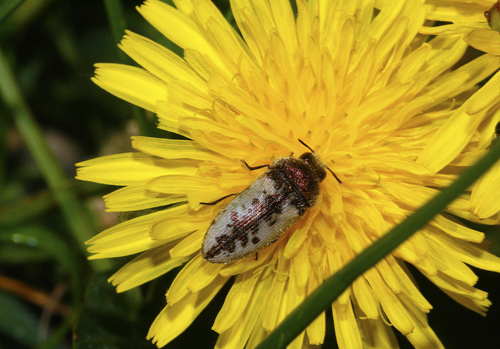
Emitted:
pixel 258 216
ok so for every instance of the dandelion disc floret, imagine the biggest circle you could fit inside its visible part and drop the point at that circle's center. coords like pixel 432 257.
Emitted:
pixel 382 105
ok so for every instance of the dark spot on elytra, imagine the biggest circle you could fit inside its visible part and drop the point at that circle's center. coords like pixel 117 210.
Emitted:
pixel 246 224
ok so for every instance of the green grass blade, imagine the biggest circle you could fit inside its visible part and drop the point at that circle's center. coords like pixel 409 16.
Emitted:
pixel 117 23
pixel 49 242
pixel 8 7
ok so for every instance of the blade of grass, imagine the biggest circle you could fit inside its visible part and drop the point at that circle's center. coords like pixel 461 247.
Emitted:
pixel 117 24
pixel 32 206
pixel 333 287
pixel 46 240
pixel 75 213
pixel 8 7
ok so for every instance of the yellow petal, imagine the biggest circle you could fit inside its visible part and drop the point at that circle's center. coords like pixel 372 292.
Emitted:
pixel 180 29
pixel 422 336
pixel 174 319
pixel 189 96
pixel 487 95
pixel 451 11
pixel 456 229
pixel 377 335
pixel 188 276
pixel 346 329
pixel 396 313
pixel 168 118
pixel 275 298
pixel 457 287
pixel 188 246
pixel 131 84
pixel 129 237
pixel 467 252
pixel 174 228
pixel 136 197
pixel 295 296
pixel 132 240
pixel 300 266
pixel 132 168
pixel 457 131
pixel 297 238
pixel 451 266
pixel 478 305
pixel 236 301
pixel 159 61
pixel 180 184
pixel 388 275
pixel 486 40
pixel 316 330
pixel 251 262
pixel 484 201
pixel 256 337
pixel 222 35
pixel 255 22
pixel 237 336
pixel 365 299
pixel 408 287
pixel 173 149
pixel 144 268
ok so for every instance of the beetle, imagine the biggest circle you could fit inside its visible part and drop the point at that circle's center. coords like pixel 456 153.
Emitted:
pixel 260 214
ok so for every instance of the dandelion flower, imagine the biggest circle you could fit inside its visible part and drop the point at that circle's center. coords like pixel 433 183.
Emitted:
pixel 381 105
pixel 477 20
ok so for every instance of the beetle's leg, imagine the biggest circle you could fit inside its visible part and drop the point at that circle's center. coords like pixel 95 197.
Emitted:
pixel 216 201
pixel 254 168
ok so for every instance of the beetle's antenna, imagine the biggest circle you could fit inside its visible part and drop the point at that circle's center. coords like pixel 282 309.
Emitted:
pixel 334 175
pixel 308 147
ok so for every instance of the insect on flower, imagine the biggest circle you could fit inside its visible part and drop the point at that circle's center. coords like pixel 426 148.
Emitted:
pixel 259 215
pixel 493 16
pixel 497 133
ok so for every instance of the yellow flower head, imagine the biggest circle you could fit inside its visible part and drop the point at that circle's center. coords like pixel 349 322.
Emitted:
pixel 384 107
pixel 478 21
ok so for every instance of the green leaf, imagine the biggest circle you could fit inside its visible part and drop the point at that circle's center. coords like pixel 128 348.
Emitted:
pixel 322 298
